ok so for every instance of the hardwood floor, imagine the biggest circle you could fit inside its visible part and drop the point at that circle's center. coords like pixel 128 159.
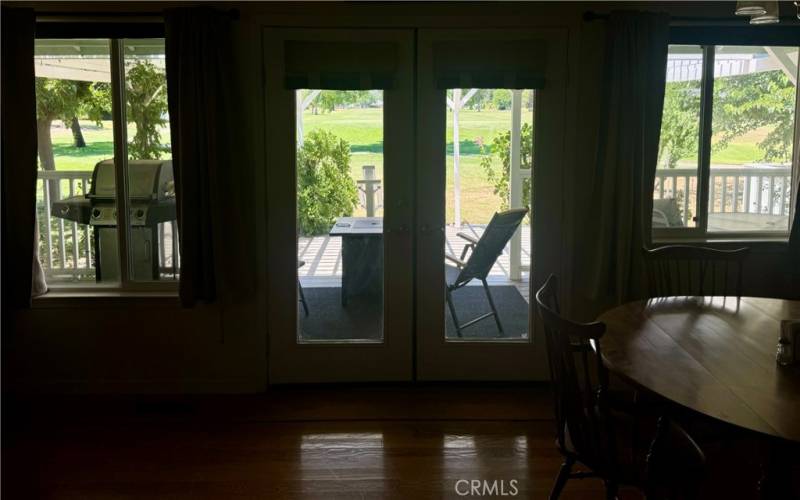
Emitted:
pixel 303 443
pixel 323 460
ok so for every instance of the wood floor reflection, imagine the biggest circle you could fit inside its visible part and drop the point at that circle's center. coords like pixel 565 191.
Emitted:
pixel 319 460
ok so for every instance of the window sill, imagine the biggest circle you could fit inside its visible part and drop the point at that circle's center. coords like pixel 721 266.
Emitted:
pixel 71 298
pixel 780 243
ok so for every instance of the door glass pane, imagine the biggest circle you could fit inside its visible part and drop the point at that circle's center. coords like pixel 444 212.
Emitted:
pixel 675 188
pixel 75 134
pixel 153 244
pixel 340 215
pixel 755 89
pixel 487 247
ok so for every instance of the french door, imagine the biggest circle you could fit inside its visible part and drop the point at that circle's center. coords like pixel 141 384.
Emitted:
pixel 340 185
pixel 399 162
pixel 490 144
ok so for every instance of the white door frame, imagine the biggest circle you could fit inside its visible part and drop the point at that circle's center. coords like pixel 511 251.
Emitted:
pixel 289 360
pixel 437 358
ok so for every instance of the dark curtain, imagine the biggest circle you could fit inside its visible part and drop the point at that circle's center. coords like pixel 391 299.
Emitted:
pixel 619 222
pixel 794 236
pixel 200 75
pixel 18 158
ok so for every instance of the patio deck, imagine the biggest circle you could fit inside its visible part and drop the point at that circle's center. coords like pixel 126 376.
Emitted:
pixel 323 258
pixel 744 222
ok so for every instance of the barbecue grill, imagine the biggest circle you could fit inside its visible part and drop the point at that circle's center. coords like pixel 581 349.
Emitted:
pixel 151 189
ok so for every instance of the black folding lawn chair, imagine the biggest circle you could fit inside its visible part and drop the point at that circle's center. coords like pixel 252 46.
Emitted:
pixel 483 253
pixel 301 263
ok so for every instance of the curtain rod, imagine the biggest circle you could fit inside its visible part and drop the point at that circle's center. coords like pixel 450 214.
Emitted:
pixel 95 16
pixel 591 15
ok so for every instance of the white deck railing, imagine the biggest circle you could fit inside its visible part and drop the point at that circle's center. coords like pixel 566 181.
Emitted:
pixel 754 190
pixel 66 248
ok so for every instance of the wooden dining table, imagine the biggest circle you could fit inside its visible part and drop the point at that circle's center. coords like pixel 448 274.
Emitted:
pixel 713 355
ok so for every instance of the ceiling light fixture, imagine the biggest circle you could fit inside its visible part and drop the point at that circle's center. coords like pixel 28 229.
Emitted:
pixel 769 17
pixel 750 9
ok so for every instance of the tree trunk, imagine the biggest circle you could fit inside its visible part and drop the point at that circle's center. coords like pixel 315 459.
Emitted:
pixel 46 159
pixel 45 143
pixel 77 135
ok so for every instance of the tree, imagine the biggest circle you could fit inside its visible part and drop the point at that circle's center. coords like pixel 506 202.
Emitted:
pixel 55 100
pixel 742 103
pixel 528 97
pixel 328 100
pixel 500 148
pixel 77 135
pixel 680 122
pixel 746 102
pixel 479 100
pixel 66 100
pixel 94 102
pixel 325 189
pixel 146 106
pixel 501 98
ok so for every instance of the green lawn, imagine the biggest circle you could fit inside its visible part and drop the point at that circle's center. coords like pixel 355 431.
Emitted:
pixel 99 144
pixel 478 202
pixel 739 152
pixel 363 129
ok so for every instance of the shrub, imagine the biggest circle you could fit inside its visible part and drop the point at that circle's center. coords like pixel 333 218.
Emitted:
pixel 325 189
pixel 500 148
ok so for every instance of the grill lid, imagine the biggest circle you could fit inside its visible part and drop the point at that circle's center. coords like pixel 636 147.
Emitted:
pixel 147 180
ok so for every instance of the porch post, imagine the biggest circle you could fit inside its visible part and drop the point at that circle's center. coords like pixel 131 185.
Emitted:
pixel 300 105
pixel 456 158
pixel 298 119
pixel 369 188
pixel 515 179
pixel 781 56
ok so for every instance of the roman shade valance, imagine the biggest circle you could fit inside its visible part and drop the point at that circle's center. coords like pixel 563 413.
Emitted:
pixel 340 65
pixel 508 64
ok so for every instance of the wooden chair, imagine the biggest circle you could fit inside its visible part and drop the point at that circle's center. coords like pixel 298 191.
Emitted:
pixel 483 253
pixel 692 270
pixel 301 263
pixel 594 431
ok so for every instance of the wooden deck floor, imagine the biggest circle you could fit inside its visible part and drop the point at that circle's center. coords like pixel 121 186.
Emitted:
pixel 744 222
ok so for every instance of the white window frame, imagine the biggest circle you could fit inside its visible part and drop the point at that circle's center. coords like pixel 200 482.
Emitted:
pixel 125 285
pixel 700 233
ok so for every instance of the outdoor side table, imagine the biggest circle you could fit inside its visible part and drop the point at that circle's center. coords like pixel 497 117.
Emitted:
pixel 362 255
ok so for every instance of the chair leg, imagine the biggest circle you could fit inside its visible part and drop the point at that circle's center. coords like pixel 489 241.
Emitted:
pixel 494 309
pixel 302 298
pixel 611 490
pixel 452 308
pixel 561 478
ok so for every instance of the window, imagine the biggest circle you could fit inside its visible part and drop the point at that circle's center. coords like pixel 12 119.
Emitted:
pixel 340 185
pixel 728 136
pixel 84 150
pixel 489 159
